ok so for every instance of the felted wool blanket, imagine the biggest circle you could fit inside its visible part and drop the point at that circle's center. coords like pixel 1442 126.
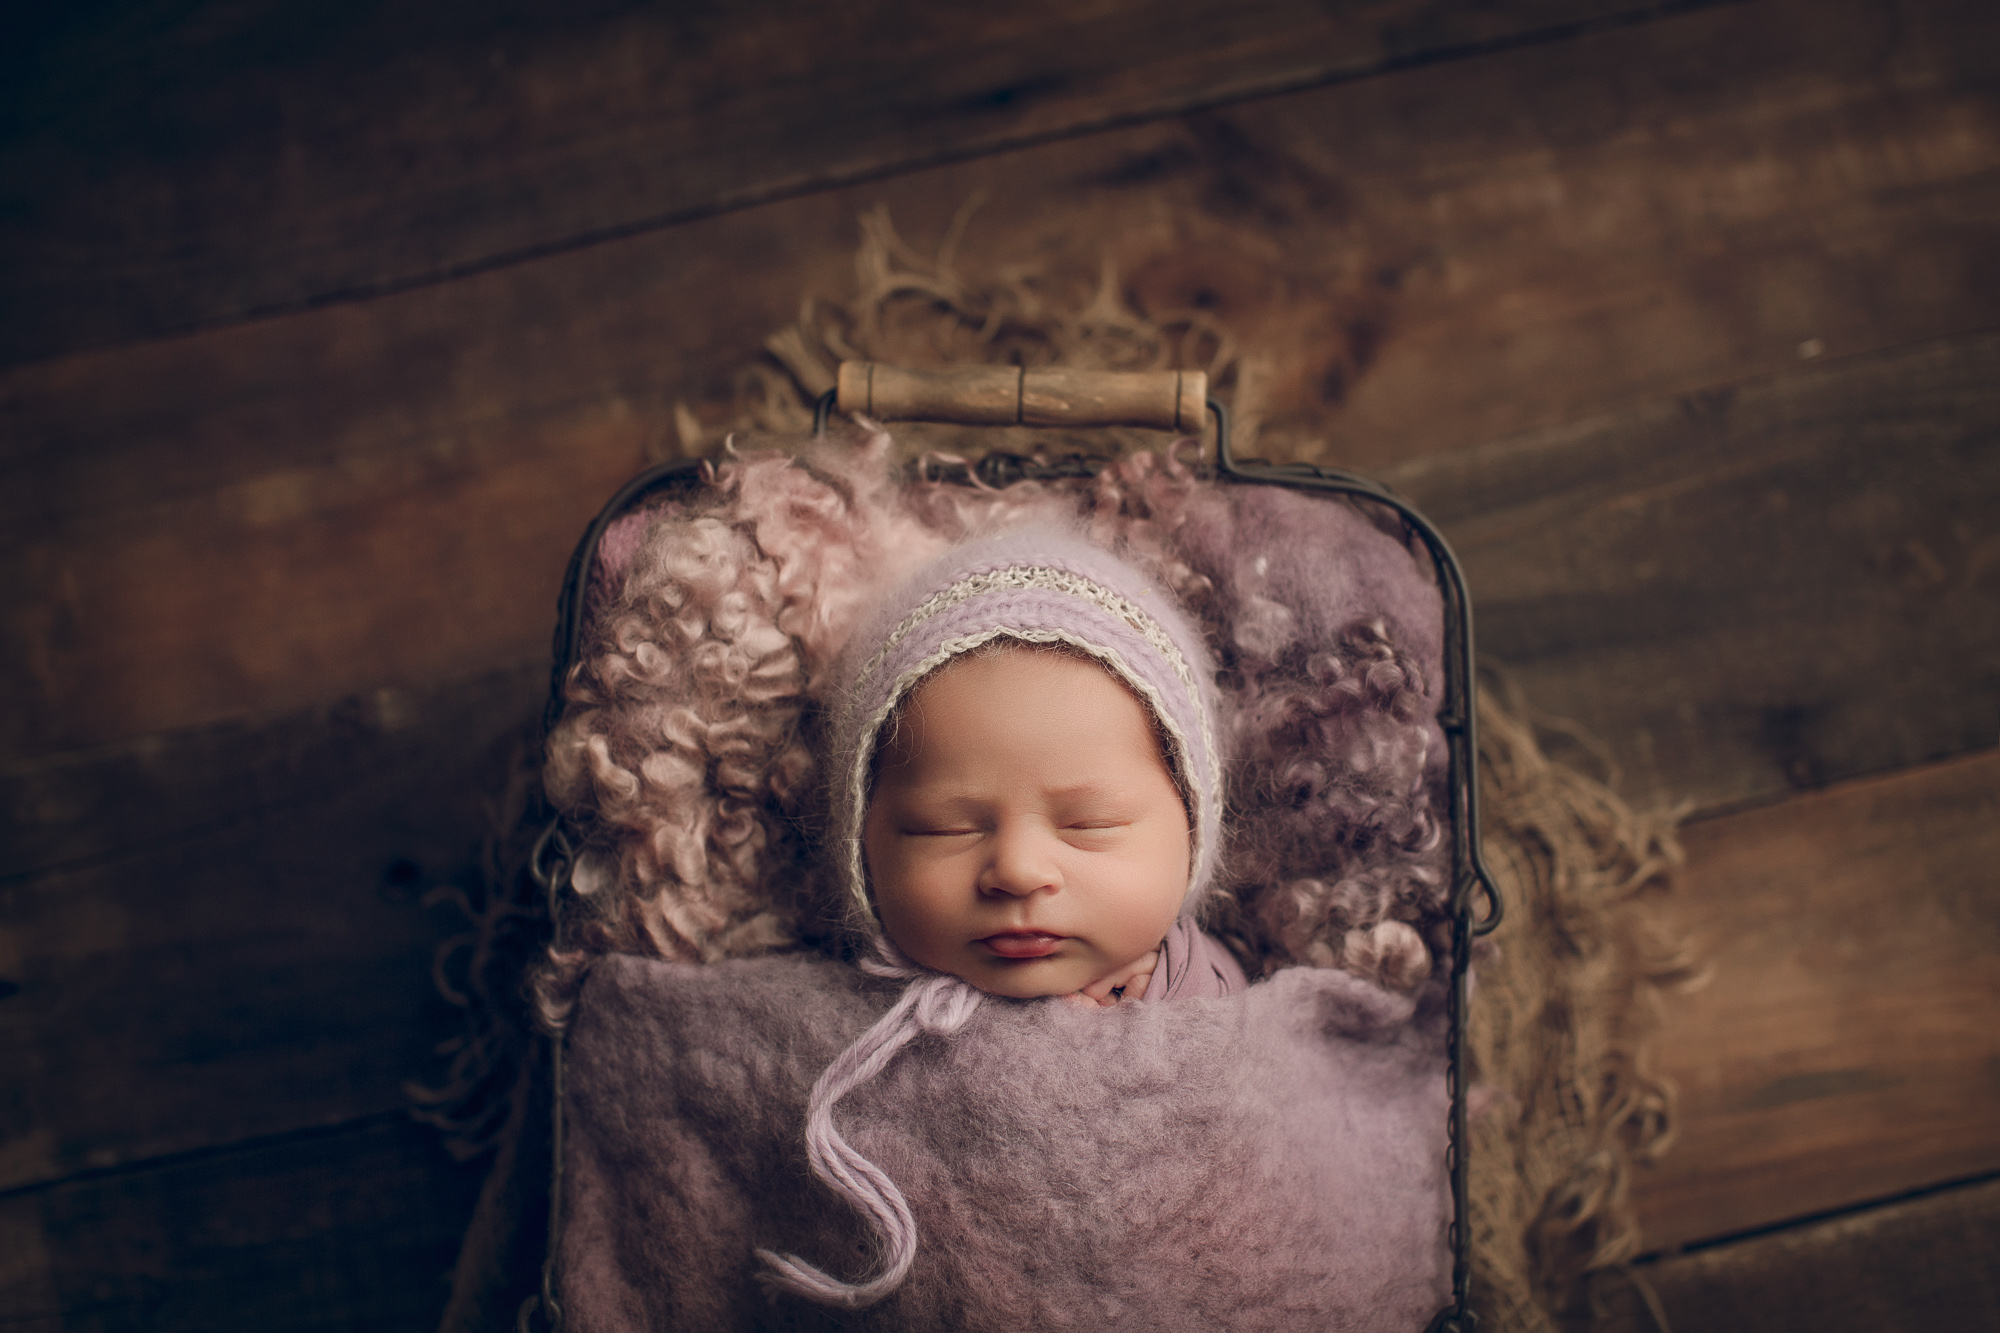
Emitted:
pixel 1272 1159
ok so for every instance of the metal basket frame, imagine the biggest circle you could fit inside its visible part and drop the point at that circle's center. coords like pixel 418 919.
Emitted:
pixel 554 851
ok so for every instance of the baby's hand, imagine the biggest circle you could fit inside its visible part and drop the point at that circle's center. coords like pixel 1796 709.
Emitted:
pixel 1127 983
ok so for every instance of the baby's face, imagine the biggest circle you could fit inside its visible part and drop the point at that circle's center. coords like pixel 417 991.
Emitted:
pixel 1024 833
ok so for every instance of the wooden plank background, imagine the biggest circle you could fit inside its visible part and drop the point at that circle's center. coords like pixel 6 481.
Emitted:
pixel 324 328
pixel 258 158
pixel 1857 1014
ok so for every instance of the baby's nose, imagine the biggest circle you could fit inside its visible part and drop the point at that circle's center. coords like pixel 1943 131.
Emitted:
pixel 1022 863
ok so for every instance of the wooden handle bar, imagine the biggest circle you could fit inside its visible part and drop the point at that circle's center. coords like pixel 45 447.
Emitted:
pixel 1012 396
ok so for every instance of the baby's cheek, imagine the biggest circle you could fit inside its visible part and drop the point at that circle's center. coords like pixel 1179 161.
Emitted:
pixel 922 918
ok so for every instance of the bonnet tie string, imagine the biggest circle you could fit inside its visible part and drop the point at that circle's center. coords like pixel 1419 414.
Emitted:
pixel 932 1002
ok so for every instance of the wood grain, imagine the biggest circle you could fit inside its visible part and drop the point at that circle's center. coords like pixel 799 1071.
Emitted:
pixel 1756 589
pixel 127 798
pixel 255 519
pixel 166 170
pixel 1162 400
pixel 1845 1049
pixel 345 1229
pixel 242 963
pixel 1910 1267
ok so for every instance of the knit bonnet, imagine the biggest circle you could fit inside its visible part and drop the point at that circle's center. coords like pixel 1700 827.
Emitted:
pixel 1036 585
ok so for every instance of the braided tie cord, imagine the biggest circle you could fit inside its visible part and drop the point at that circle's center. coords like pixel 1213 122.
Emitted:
pixel 934 1003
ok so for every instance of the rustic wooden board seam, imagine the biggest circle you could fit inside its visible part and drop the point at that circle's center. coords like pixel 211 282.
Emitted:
pixel 1805 1221
pixel 729 201
pixel 756 196
pixel 1837 1053
pixel 207 1152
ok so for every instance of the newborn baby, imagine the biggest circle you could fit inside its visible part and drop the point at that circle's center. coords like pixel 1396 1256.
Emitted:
pixel 1026 801
pixel 1026 791
pixel 1025 833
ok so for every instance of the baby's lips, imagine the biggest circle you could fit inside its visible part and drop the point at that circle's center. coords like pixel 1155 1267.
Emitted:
pixel 1023 943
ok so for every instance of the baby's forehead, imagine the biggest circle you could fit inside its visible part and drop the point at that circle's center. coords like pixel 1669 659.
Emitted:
pixel 1032 673
pixel 1022 695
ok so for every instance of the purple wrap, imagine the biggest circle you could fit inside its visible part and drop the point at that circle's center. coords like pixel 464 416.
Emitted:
pixel 1194 965
pixel 1272 1159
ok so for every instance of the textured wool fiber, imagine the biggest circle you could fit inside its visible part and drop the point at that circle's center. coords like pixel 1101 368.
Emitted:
pixel 1268 1160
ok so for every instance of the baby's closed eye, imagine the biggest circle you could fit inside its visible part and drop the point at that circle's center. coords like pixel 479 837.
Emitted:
pixel 1095 835
pixel 1092 818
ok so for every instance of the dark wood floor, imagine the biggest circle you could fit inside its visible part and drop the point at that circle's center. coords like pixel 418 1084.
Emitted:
pixel 324 328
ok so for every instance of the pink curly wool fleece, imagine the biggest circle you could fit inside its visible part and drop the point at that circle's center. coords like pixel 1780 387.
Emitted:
pixel 1269 1160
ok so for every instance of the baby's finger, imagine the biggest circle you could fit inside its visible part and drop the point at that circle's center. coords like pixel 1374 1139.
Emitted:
pixel 1131 982
pixel 1099 991
pixel 1135 977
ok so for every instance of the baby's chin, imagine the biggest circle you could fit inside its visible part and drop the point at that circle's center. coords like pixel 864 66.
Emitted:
pixel 1027 982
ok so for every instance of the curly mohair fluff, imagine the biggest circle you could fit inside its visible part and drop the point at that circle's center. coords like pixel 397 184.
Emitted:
pixel 687 751
pixel 682 753
pixel 1562 1025
pixel 680 746
pixel 1328 629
